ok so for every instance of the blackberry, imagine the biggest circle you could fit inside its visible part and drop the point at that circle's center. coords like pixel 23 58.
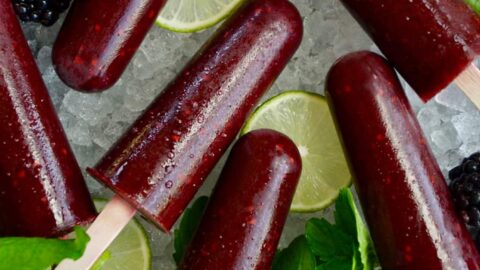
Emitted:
pixel 465 189
pixel 45 12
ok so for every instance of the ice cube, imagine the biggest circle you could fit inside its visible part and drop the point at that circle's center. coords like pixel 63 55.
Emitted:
pixel 445 138
pixel 44 58
pixel 89 107
pixel 452 97
pixel 467 126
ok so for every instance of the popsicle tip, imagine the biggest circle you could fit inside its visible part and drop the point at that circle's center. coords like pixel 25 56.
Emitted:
pixel 79 74
pixel 366 63
pixel 283 144
pixel 355 57
pixel 294 19
pixel 286 15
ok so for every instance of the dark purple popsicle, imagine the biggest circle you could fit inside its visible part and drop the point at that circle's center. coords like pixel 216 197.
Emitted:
pixel 244 219
pixel 401 188
pixel 163 159
pixel 99 38
pixel 42 191
pixel 430 42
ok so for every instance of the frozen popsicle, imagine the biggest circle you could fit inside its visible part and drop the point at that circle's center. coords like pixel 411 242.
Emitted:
pixel 42 191
pixel 257 185
pixel 162 160
pixel 430 42
pixel 404 195
pixel 99 38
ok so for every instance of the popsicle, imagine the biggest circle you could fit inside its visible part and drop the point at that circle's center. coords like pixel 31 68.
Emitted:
pixel 430 42
pixel 246 213
pixel 99 38
pixel 42 191
pixel 162 160
pixel 403 193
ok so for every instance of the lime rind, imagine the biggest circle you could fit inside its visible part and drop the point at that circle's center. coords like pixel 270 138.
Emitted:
pixel 120 250
pixel 306 118
pixel 272 102
pixel 146 251
pixel 170 18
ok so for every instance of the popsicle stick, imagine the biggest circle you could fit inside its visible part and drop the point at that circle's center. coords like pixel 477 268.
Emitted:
pixel 111 221
pixel 469 82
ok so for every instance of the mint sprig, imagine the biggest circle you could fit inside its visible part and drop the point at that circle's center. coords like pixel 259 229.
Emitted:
pixel 22 253
pixel 345 245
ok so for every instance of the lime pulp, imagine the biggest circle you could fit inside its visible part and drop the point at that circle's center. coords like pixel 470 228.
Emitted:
pixel 189 16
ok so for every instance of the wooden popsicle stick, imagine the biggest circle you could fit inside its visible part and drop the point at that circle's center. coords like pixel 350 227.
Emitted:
pixel 109 223
pixel 469 82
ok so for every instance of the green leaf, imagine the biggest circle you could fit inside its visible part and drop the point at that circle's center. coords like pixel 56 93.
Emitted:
pixel 356 260
pixel 475 4
pixel 373 257
pixel 345 213
pixel 364 242
pixel 188 225
pixel 21 253
pixel 340 263
pixel 346 241
pixel 328 241
pixel 297 256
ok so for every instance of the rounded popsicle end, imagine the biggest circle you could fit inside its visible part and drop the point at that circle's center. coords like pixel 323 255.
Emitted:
pixel 279 16
pixel 79 74
pixel 358 68
pixel 286 12
pixel 261 141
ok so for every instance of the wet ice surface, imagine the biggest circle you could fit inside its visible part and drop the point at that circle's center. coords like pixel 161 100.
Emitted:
pixel 94 121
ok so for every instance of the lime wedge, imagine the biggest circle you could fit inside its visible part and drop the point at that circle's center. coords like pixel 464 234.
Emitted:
pixel 306 119
pixel 189 16
pixel 130 250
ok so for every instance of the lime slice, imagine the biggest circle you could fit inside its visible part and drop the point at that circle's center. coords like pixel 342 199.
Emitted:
pixel 130 250
pixel 188 16
pixel 306 119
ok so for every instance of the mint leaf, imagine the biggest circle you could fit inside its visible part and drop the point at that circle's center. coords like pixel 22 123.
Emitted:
pixel 356 260
pixel 188 225
pixel 297 256
pixel 328 241
pixel 345 213
pixel 352 263
pixel 365 246
pixel 340 263
pixel 474 4
pixel 22 253
pixel 345 245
